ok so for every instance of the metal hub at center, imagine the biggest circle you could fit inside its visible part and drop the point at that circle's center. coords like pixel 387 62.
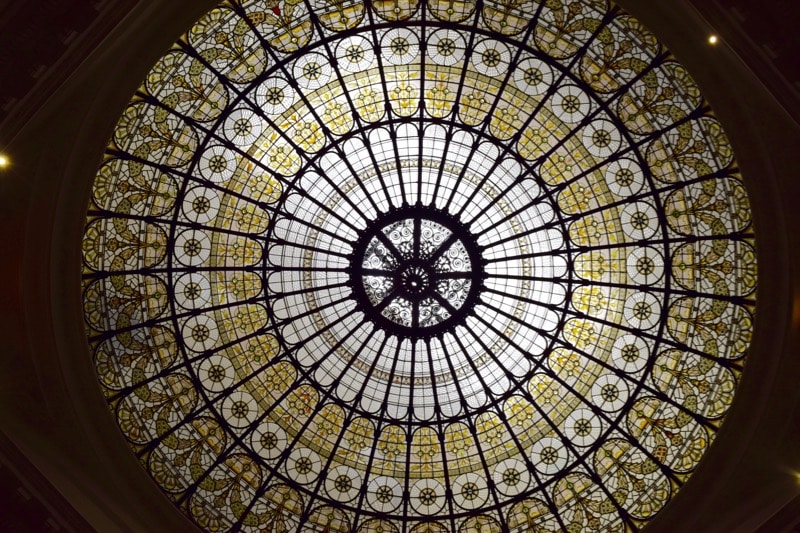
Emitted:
pixel 416 271
pixel 414 280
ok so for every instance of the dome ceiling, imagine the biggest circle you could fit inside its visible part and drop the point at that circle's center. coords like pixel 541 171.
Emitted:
pixel 418 267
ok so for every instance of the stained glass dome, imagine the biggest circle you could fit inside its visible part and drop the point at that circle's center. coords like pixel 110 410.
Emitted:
pixel 419 267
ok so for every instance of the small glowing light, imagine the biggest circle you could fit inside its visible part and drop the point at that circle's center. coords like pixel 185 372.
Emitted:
pixel 713 39
pixel 4 161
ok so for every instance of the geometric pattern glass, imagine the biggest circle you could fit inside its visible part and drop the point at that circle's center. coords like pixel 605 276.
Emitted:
pixel 418 266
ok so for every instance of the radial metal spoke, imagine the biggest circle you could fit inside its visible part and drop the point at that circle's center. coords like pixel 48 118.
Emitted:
pixel 387 300
pixel 447 305
pixel 377 272
pixel 417 237
pixel 455 275
pixel 443 247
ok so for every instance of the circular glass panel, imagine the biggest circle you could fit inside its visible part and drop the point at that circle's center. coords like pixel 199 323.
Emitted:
pixel 419 266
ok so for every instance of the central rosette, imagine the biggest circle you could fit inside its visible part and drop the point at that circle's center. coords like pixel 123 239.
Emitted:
pixel 416 271
pixel 415 280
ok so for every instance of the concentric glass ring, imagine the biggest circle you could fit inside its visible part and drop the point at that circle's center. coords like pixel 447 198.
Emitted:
pixel 419 266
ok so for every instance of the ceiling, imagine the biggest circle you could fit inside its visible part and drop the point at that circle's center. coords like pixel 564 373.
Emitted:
pixel 59 423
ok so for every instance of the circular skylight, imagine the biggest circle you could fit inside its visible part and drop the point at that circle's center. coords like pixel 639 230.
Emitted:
pixel 419 267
